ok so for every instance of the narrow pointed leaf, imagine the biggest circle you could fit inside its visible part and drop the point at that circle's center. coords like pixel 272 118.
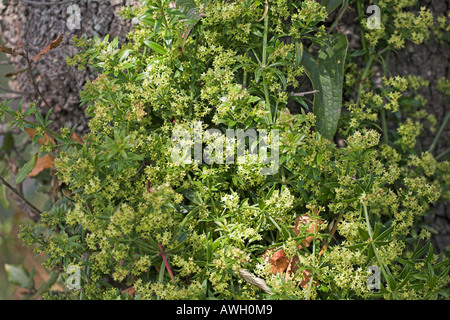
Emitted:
pixel 26 169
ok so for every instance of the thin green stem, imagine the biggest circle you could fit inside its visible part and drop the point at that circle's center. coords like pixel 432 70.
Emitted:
pixel 383 111
pixel 363 78
pixel 264 49
pixel 244 79
pixel 53 133
pixel 360 5
pixel 339 16
pixel 17 193
pixel 313 263
pixel 369 230
pixel 441 129
pixel 442 154
pixel 384 125
pixel 264 62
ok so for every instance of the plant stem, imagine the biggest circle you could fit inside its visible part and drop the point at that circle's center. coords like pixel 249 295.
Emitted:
pixel 313 263
pixel 325 246
pixel 20 196
pixel 263 64
pixel 339 16
pixel 30 71
pixel 163 255
pixel 364 76
pixel 384 125
pixel 363 37
pixel 53 133
pixel 441 129
pixel 369 230
pixel 264 49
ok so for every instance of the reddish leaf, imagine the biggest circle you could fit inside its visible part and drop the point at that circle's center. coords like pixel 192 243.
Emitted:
pixel 131 291
pixel 76 138
pixel 42 163
pixel 32 133
pixel 51 46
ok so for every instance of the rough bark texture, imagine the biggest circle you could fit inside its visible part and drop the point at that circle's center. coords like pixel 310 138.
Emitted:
pixel 25 25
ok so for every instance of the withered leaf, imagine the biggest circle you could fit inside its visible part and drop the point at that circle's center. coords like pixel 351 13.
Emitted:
pixel 266 9
pixel 32 134
pixel 55 43
pixel 278 261
pixel 11 74
pixel 42 163
pixel 313 227
pixel 7 50
pixel 76 138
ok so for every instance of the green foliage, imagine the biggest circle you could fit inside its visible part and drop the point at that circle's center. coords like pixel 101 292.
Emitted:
pixel 141 226
pixel 326 76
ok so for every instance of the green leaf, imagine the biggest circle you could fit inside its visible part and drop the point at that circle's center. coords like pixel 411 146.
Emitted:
pixel 281 77
pixel 391 282
pixel 298 53
pixel 26 169
pixel 124 54
pixel 326 76
pixel 331 5
pixel 156 47
pixel 363 234
pixel 8 142
pixel 357 53
pixel 3 198
pixel 420 252
pixel 19 276
pixel 408 101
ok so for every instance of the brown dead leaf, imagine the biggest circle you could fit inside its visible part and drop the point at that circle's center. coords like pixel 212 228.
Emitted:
pixel 277 260
pixel 266 9
pixel 32 134
pixel 306 279
pixel 131 291
pixel 76 138
pixel 42 163
pixel 280 263
pixel 314 225
pixel 55 43
pixel 8 50
pixel 15 73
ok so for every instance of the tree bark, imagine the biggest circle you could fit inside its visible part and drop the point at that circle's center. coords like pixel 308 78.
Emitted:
pixel 32 24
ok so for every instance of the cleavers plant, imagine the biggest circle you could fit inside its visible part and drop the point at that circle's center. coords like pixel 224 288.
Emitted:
pixel 351 186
